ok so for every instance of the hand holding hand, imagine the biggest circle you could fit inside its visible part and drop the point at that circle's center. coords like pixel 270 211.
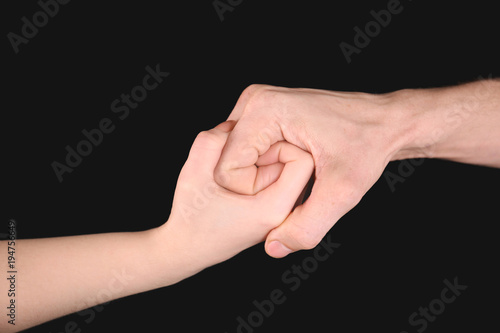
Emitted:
pixel 212 223
pixel 351 137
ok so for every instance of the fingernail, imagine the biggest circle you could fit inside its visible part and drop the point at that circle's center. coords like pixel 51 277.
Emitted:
pixel 278 250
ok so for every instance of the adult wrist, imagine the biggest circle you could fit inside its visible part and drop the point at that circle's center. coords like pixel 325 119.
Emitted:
pixel 422 122
pixel 437 120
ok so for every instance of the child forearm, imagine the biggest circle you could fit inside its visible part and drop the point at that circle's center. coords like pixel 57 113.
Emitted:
pixel 58 276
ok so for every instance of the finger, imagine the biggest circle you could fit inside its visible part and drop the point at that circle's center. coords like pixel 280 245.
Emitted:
pixel 242 102
pixel 332 196
pixel 270 164
pixel 226 126
pixel 266 175
pixel 206 148
pixel 251 137
pixel 298 165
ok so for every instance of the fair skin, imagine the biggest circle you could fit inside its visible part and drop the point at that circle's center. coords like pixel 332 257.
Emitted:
pixel 207 225
pixel 241 183
pixel 352 137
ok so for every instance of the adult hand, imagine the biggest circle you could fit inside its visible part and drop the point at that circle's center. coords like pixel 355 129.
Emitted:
pixel 351 136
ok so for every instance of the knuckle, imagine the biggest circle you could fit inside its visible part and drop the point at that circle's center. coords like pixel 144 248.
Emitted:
pixel 209 140
pixel 206 139
pixel 261 97
pixel 222 176
pixel 252 89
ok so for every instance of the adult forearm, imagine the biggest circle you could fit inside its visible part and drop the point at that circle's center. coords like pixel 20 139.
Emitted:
pixel 460 123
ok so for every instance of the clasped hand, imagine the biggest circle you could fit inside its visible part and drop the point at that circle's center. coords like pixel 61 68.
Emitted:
pixel 214 223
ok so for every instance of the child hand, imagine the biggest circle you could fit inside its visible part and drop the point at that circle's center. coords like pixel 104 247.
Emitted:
pixel 213 224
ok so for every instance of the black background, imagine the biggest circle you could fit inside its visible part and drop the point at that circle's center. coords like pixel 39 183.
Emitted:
pixel 397 247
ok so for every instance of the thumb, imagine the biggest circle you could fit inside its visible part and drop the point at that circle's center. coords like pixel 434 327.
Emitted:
pixel 332 196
